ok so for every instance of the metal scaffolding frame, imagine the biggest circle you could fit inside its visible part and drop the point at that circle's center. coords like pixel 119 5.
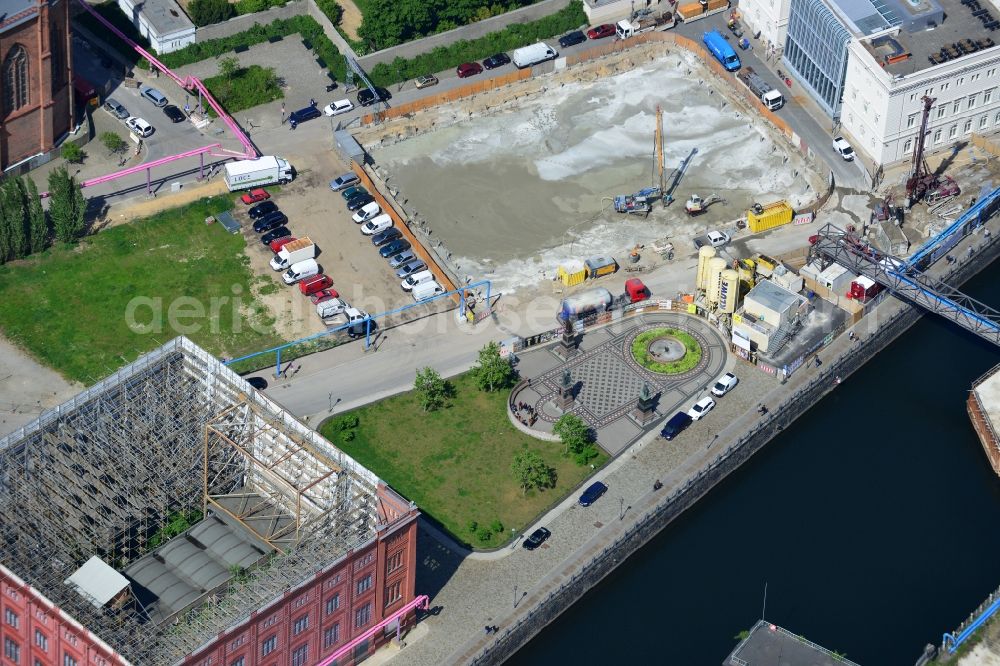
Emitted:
pixel 173 431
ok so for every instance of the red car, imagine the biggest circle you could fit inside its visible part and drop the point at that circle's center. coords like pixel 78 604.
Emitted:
pixel 311 285
pixel 255 196
pixel 601 31
pixel 323 295
pixel 469 69
pixel 276 245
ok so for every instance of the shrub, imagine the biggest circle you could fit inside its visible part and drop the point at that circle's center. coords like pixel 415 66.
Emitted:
pixel 72 153
pixel 246 88
pixel 113 142
pixel 496 526
pixel 484 534
pixel 473 526
pixel 331 9
pixel 207 12
pixel 254 6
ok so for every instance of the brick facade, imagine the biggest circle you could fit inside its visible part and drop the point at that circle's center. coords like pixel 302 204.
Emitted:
pixel 43 32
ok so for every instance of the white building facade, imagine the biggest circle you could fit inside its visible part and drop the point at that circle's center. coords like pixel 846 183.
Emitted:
pixel 162 22
pixel 769 18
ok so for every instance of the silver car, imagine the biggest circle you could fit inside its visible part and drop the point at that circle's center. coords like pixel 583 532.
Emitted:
pixel 410 268
pixel 402 258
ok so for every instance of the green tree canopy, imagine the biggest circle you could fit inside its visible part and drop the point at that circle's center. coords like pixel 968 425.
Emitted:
pixel 493 371
pixel 207 12
pixel 431 388
pixel 531 471
pixel 67 205
pixel 39 229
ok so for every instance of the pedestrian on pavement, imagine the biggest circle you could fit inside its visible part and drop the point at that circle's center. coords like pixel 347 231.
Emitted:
pixel 292 123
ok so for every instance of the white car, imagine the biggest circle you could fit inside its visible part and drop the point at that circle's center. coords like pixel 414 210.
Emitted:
pixel 139 127
pixel 376 225
pixel 367 212
pixel 726 383
pixel 842 148
pixel 717 238
pixel 700 408
pixel 338 107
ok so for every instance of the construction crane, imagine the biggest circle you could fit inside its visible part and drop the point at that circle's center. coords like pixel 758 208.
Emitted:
pixel 659 151
pixel 923 184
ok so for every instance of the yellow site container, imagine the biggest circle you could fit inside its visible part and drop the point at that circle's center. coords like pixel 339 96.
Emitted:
pixel 572 274
pixel 772 215
pixel 596 267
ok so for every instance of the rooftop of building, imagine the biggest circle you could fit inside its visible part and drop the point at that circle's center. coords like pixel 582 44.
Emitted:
pixel 928 33
pixel 987 389
pixel 165 16
pixel 770 644
pixel 13 12
pixel 177 477
pixel 774 297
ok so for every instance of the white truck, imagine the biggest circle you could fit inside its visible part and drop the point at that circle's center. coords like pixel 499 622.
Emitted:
pixel 533 54
pixel 292 253
pixel 266 170
pixel 626 29
pixel 768 96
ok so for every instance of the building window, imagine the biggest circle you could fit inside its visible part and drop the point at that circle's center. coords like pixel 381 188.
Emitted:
pixel 953 131
pixel 363 615
pixel 982 122
pixel 239 661
pixel 333 603
pixel 267 647
pixel 15 79
pixel 961 80
pixel 987 96
pixel 56 57
pixel 300 625
pixel 237 643
pixel 300 655
pixel 12 650
pixel 394 562
pixel 945 86
pixel 10 617
pixel 41 640
pixel 911 120
pixel 70 661
pixel 364 583
pixel 957 106
pixel 908 145
pixel 331 635
pixel 393 594
pixel 968 127
pixel 972 101
pixel 937 136
pixel 940 110
pixel 996 121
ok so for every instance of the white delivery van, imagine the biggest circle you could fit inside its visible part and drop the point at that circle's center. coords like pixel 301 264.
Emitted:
pixel 330 307
pixel 376 225
pixel 425 290
pixel 412 281
pixel 302 269
pixel 367 212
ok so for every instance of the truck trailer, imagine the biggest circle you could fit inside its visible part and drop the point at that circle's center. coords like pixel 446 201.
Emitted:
pixel 533 54
pixel 768 96
pixel 585 303
pixel 266 170
pixel 626 29
pixel 292 253
pixel 721 50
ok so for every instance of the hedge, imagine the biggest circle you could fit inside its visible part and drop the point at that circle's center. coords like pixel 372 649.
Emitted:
pixel 254 6
pixel 512 37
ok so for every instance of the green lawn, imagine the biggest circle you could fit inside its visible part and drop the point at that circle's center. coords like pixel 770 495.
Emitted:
pixel 249 87
pixel 455 462
pixel 68 305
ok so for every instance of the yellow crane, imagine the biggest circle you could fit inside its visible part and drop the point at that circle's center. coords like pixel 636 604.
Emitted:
pixel 659 153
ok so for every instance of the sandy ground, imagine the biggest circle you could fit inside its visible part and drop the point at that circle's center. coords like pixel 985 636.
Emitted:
pixel 981 655
pixel 350 19
pixel 516 182
pixel 27 388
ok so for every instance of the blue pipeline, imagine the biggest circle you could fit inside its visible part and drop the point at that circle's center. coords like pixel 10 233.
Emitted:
pixel 952 305
pixel 955 641
pixel 972 213
pixel 277 350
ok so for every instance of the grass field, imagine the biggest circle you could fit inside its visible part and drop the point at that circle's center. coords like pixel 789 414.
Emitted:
pixel 68 306
pixel 249 87
pixel 455 462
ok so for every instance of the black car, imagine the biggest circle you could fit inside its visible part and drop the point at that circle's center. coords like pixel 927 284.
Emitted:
pixel 572 39
pixel 268 222
pixel 395 247
pixel 262 209
pixel 383 237
pixel 275 234
pixel 305 114
pixel 357 202
pixel 676 425
pixel 498 60
pixel 536 539
pixel 358 330
pixel 593 493
pixel 175 114
pixel 367 98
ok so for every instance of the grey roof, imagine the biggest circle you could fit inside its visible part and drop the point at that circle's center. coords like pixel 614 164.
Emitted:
pixel 774 297
pixel 770 644
pixel 11 8
pixel 165 16
pixel 97 581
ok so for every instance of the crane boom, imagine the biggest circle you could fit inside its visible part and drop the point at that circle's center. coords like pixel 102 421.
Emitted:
pixel 659 149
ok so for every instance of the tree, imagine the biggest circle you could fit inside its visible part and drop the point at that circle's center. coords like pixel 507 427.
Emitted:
pixel 531 471
pixel 73 153
pixel 113 142
pixel 15 219
pixel 38 222
pixel 573 432
pixel 493 371
pixel 67 205
pixel 431 388
pixel 229 66
pixel 207 12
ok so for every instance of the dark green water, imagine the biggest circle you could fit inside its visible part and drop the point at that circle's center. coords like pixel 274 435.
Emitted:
pixel 874 520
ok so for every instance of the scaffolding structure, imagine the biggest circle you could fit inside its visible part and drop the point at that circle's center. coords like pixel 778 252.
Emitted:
pixel 174 431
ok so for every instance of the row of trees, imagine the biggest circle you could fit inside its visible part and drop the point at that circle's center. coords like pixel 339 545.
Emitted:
pixel 25 228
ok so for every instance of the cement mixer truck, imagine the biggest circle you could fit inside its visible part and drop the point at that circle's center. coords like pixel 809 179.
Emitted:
pixel 585 303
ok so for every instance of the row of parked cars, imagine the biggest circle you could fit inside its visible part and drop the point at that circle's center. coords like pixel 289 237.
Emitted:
pixel 137 125
pixel 681 420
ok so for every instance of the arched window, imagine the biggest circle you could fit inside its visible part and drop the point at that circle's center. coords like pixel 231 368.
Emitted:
pixel 15 79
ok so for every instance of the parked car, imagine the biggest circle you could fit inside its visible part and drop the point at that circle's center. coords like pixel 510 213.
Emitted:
pixel 270 221
pixel 592 493
pixel 385 236
pixel 353 191
pixel 344 180
pixel 401 258
pixel 276 245
pixel 258 383
pixel 717 238
pixel 116 109
pixel 255 196
pixel 154 96
pixel 315 284
pixel 338 107
pixel 410 267
pixel 139 127
pixel 426 81
pixel 323 294
pixel 304 114
pixel 572 39
pixel 366 97
pixel 676 425
pixel 174 114
pixel 367 212
pixel 358 318
pixel 601 31
pixel 275 234
pixel 330 307
pixel 726 383
pixel 700 408
pixel 300 271
pixel 536 539
pixel 359 201
pixel 376 225
pixel 467 69
pixel 262 209
pixel 842 148
pixel 395 247
pixel 498 60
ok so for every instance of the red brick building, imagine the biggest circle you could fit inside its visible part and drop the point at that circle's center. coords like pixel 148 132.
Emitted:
pixel 36 79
